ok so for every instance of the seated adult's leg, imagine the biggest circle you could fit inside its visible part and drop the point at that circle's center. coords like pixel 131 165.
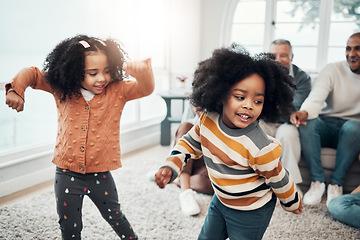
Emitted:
pixel 346 209
pixel 184 178
pixel 347 150
pixel 310 139
pixel 188 204
pixel 183 181
pixel 288 135
pixel 182 130
pixel 199 179
pixel 313 136
pixel 194 174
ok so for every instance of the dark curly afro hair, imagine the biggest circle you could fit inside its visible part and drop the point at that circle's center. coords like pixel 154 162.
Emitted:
pixel 65 65
pixel 215 76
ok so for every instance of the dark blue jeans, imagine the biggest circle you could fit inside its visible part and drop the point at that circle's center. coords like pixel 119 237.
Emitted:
pixel 346 208
pixel 223 222
pixel 341 134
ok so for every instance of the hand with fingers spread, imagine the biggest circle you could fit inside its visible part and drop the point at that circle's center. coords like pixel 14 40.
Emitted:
pixel 163 176
pixel 14 101
pixel 143 73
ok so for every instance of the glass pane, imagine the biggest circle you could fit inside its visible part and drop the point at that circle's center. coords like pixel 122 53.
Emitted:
pixel 340 32
pixel 245 11
pixel 296 34
pixel 305 57
pixel 152 107
pixel 36 124
pixel 11 63
pixel 248 34
pixel 297 11
pixel 336 54
pixel 130 111
pixel 345 10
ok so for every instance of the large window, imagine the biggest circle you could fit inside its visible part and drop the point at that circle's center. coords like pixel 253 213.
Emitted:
pixel 31 29
pixel 317 29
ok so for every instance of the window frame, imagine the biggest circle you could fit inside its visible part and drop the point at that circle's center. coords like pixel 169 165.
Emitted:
pixel 325 21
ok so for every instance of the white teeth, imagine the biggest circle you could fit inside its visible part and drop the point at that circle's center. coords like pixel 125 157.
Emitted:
pixel 244 116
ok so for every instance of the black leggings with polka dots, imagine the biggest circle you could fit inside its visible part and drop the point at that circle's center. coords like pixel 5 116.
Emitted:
pixel 70 189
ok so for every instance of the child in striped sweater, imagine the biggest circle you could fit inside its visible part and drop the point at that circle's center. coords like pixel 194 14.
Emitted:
pixel 235 90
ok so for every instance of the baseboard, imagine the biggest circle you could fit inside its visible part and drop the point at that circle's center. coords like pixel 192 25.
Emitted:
pixel 26 181
pixel 140 138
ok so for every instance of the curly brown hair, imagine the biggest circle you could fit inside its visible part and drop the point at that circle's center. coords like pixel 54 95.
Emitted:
pixel 65 65
pixel 215 76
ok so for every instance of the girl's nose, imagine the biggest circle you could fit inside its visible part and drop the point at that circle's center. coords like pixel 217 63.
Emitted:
pixel 248 105
pixel 101 78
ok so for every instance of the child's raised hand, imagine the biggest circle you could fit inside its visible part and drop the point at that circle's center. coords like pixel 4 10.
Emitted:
pixel 163 176
pixel 142 71
pixel 14 101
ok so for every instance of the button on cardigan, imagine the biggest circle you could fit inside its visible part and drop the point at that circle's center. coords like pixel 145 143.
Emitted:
pixel 88 135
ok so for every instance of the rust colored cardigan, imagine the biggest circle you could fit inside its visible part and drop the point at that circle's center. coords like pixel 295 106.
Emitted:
pixel 88 136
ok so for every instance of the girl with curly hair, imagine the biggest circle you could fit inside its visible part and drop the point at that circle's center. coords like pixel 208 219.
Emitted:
pixel 235 90
pixel 86 77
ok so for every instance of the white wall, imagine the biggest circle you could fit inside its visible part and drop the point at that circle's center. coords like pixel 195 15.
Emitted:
pixel 213 33
pixel 196 29
pixel 184 33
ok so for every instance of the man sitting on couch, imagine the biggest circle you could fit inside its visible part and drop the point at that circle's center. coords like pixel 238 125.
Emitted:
pixel 285 132
pixel 336 125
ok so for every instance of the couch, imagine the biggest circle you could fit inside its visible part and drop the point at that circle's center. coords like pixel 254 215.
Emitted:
pixel 328 163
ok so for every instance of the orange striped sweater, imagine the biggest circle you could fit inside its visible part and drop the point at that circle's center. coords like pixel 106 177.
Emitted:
pixel 243 164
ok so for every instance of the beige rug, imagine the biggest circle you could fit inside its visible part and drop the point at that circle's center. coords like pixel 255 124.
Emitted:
pixel 155 213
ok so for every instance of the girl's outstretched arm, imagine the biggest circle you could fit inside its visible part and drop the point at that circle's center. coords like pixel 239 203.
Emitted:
pixel 27 77
pixel 143 73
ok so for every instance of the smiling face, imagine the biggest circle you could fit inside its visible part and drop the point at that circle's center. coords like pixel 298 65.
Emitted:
pixel 353 53
pixel 245 102
pixel 97 72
